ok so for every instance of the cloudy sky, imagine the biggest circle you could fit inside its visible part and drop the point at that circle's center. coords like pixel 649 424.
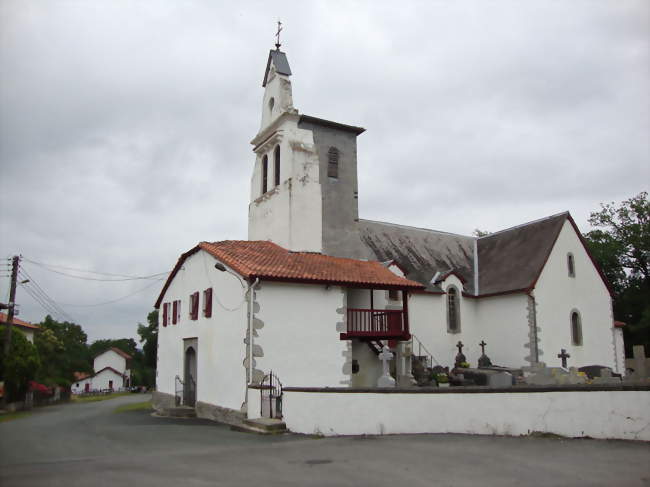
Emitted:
pixel 125 126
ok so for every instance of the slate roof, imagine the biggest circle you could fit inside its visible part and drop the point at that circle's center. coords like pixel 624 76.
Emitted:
pixel 268 261
pixel 20 323
pixel 281 64
pixel 420 252
pixel 511 260
pixel 508 261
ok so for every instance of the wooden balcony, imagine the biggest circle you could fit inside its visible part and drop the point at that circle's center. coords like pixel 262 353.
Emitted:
pixel 377 324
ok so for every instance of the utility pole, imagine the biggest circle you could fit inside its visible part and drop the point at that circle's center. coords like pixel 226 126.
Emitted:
pixel 11 306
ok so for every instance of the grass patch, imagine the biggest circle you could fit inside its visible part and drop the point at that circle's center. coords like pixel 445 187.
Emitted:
pixel 103 397
pixel 136 406
pixel 11 416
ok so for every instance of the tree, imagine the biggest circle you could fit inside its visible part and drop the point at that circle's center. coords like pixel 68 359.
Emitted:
pixel 620 243
pixel 63 350
pixel 19 367
pixel 149 339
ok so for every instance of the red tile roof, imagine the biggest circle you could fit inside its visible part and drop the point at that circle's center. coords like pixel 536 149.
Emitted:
pixel 268 261
pixel 81 375
pixel 17 322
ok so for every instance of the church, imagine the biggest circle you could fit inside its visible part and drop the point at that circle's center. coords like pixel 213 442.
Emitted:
pixel 316 293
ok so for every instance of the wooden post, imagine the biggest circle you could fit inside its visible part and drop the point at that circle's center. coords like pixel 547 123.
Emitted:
pixel 405 310
pixel 10 317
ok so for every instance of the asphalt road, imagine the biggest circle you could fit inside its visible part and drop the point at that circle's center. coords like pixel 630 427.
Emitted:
pixel 91 445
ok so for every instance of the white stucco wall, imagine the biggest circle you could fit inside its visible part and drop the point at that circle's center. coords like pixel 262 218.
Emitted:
pixel 608 414
pixel 289 214
pixel 80 386
pixel 300 340
pixel 102 380
pixel 110 359
pixel 557 294
pixel 221 376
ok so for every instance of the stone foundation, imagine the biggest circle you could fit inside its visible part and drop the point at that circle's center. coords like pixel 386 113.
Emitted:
pixel 217 413
pixel 161 401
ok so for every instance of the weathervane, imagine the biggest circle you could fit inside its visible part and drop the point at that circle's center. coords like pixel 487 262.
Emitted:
pixel 277 36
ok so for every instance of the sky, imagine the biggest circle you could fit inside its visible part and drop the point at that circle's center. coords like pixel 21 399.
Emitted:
pixel 125 126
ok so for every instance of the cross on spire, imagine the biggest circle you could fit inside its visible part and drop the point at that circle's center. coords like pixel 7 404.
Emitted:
pixel 563 355
pixel 277 36
pixel 482 345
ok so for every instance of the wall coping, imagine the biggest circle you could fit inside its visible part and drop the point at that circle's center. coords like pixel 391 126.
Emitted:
pixel 469 390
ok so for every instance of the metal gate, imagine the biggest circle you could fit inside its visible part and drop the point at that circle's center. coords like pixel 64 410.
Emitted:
pixel 271 396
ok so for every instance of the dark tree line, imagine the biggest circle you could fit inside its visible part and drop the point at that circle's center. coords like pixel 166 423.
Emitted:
pixel 61 348
pixel 620 242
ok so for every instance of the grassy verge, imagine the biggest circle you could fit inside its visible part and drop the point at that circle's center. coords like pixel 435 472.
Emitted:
pixel 104 397
pixel 12 416
pixel 136 406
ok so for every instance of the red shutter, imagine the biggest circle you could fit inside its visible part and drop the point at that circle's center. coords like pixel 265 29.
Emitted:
pixel 165 315
pixel 178 312
pixel 194 306
pixel 207 302
pixel 174 312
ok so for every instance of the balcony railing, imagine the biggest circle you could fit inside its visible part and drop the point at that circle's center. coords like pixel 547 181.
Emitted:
pixel 379 324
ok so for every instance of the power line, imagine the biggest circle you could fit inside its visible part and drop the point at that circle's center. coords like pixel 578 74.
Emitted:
pixel 122 277
pixel 114 300
pixel 41 293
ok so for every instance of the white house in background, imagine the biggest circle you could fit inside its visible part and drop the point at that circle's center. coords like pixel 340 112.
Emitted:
pixel 26 328
pixel 112 372
pixel 323 290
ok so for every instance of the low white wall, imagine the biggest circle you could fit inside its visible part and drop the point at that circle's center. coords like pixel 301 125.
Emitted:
pixel 597 414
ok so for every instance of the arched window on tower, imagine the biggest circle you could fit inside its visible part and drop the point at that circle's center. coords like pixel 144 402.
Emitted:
pixel 265 172
pixel 276 165
pixel 333 163
pixel 576 328
pixel 453 310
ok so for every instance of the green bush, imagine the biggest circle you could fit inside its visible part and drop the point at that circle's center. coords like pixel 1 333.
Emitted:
pixel 19 367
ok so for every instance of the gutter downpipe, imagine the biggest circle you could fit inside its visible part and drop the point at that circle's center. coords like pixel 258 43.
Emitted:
pixel 251 315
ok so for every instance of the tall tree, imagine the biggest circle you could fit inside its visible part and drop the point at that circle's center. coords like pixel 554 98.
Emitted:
pixel 620 242
pixel 149 339
pixel 63 350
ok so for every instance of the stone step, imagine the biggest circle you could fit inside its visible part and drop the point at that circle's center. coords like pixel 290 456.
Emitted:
pixel 181 412
pixel 261 426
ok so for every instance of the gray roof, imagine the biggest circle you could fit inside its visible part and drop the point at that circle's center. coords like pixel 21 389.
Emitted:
pixel 511 260
pixel 508 261
pixel 420 252
pixel 279 61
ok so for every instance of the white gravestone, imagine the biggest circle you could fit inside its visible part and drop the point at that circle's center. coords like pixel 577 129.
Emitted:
pixel 385 380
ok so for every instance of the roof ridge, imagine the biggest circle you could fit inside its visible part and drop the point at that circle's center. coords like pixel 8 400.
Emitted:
pixel 539 220
pixel 418 228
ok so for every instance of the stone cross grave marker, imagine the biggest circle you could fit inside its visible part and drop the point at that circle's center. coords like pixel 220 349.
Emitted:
pixel 460 358
pixel 385 380
pixel 484 360
pixel 482 345
pixel 563 355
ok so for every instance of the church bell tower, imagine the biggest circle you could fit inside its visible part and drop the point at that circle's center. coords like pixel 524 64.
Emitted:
pixel 304 182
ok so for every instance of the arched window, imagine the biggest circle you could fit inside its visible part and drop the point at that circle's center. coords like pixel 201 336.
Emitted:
pixel 271 104
pixel 576 328
pixel 276 165
pixel 333 162
pixel 265 172
pixel 571 265
pixel 453 310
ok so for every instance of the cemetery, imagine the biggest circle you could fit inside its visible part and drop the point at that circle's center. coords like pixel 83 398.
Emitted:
pixel 590 402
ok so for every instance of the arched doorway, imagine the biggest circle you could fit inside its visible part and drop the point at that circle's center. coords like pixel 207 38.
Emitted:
pixel 189 387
